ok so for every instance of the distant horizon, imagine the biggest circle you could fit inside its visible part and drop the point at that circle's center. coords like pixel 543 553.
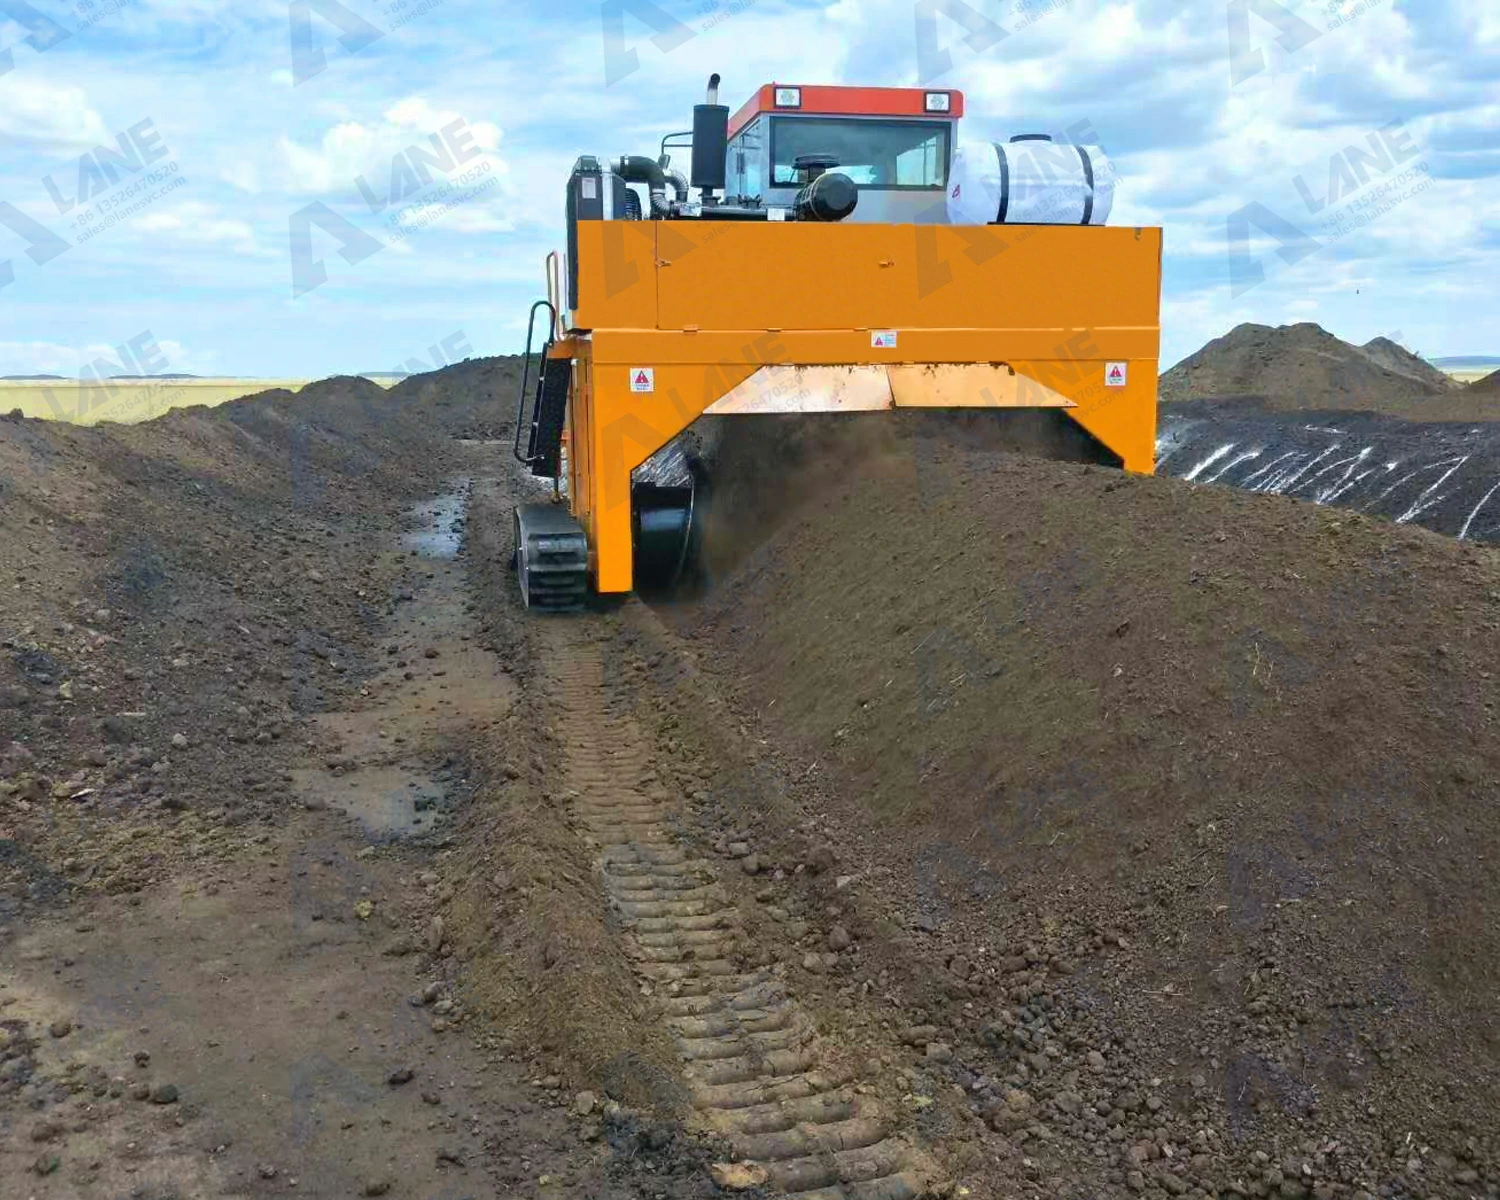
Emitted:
pixel 99 379
pixel 1460 361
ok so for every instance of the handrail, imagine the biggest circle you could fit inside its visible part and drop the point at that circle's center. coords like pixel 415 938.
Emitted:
pixel 553 270
pixel 526 375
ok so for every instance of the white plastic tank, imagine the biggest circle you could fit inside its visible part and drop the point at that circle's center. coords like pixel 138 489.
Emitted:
pixel 1030 180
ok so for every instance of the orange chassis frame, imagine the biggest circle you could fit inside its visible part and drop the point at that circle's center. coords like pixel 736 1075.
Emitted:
pixel 677 318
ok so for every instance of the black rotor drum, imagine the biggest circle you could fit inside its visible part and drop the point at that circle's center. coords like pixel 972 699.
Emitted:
pixel 662 517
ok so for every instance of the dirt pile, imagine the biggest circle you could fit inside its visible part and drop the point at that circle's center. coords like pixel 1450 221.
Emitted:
pixel 1202 783
pixel 1293 368
pixel 186 590
pixel 1395 357
pixel 801 454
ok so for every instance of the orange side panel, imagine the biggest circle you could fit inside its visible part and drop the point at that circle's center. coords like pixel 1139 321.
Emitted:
pixel 626 429
pixel 760 275
pixel 616 275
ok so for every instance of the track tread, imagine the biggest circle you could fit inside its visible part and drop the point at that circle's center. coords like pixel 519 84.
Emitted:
pixel 750 1059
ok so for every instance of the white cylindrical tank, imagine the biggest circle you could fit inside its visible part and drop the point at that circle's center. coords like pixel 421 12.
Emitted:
pixel 1030 180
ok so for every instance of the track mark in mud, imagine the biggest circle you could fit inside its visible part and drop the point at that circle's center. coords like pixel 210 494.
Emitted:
pixel 755 1071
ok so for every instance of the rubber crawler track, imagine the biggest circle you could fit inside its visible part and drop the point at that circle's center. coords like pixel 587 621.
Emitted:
pixel 751 1059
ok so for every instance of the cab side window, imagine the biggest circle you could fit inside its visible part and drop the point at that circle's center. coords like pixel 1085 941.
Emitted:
pixel 748 161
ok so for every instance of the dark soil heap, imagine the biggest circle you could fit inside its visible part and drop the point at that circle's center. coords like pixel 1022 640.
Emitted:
pixel 201 561
pixel 1250 741
pixel 1304 367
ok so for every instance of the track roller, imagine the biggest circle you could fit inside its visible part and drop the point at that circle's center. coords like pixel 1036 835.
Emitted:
pixel 552 558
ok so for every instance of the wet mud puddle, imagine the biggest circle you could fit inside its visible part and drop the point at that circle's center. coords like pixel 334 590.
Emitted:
pixel 389 763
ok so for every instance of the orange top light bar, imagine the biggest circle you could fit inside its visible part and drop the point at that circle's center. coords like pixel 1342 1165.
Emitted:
pixel 830 100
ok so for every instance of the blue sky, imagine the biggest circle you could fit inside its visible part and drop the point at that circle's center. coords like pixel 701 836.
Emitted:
pixel 1225 118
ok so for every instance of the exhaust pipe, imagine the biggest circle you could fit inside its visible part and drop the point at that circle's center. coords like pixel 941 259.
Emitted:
pixel 710 143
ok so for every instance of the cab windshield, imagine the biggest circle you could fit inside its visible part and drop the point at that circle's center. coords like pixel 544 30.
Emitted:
pixel 874 154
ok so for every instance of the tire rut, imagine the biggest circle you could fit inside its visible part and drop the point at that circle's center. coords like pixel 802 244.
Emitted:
pixel 754 1068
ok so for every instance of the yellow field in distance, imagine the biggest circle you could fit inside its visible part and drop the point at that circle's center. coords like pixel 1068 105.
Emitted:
pixel 1470 374
pixel 128 401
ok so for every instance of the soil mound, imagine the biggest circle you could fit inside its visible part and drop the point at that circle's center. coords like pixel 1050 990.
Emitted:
pixel 1304 367
pixel 1395 357
pixel 242 694
pixel 176 548
pixel 1251 742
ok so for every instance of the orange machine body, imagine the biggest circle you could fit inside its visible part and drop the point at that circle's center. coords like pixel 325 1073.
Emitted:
pixel 676 318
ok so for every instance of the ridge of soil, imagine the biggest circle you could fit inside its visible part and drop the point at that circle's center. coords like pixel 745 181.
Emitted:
pixel 1444 476
pixel 1248 743
pixel 1395 357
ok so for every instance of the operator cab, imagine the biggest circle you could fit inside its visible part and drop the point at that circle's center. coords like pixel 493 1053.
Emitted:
pixel 895 144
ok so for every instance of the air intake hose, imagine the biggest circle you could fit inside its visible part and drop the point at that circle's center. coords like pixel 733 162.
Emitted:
pixel 636 168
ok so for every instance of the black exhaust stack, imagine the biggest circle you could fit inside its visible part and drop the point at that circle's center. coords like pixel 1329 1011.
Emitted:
pixel 710 143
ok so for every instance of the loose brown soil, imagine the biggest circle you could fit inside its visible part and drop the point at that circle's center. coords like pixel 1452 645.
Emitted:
pixel 990 827
pixel 243 695
pixel 1211 775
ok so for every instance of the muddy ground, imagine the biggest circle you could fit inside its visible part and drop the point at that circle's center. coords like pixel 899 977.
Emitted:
pixel 990 828
pixel 241 685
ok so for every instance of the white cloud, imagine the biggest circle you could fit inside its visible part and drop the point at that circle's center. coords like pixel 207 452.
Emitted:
pixel 38 358
pixel 140 352
pixel 55 119
pixel 1150 76
pixel 352 149
pixel 196 223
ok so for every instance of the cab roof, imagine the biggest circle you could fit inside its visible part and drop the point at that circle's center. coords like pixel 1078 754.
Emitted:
pixel 840 101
